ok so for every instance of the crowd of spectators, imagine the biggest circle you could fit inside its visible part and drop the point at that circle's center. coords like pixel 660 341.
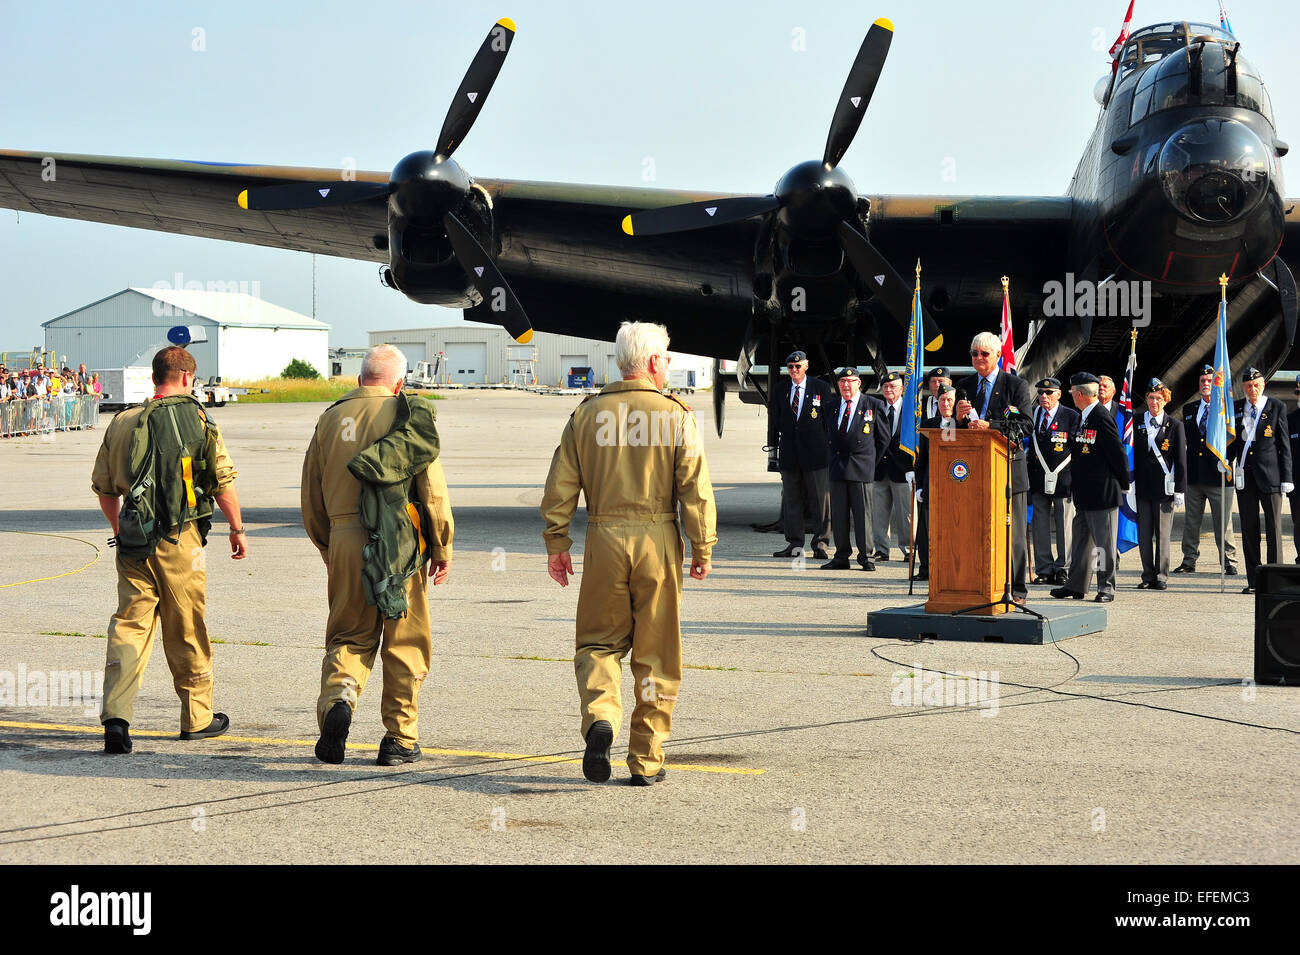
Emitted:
pixel 44 399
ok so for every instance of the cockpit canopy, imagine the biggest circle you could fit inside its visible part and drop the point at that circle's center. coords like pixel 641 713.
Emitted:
pixel 1189 64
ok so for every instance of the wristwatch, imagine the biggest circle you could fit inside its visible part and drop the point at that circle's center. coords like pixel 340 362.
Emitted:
pixel 236 530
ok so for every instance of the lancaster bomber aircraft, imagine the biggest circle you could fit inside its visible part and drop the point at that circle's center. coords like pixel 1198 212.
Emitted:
pixel 1179 183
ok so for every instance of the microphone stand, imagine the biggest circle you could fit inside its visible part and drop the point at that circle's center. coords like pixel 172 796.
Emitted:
pixel 1010 430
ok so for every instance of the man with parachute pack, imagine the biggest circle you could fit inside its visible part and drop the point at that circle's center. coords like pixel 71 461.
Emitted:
pixel 374 502
pixel 160 469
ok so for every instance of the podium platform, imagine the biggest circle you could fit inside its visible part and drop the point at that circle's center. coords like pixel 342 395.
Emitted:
pixel 1064 619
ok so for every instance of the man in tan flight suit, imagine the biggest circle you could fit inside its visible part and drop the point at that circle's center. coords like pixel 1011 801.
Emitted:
pixel 170 586
pixel 356 630
pixel 635 454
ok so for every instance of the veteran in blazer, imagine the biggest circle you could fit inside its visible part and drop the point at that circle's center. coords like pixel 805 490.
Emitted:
pixel 1160 476
pixel 1099 475
pixel 803 453
pixel 1261 459
pixel 945 418
pixel 1049 482
pixel 990 394
pixel 858 439
pixel 1204 482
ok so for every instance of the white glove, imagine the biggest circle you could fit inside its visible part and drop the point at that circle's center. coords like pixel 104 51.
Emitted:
pixel 920 495
pixel 1223 468
pixel 1287 487
pixel 910 478
pixel 1178 499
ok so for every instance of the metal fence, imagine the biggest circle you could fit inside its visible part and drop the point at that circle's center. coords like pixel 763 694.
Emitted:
pixel 44 415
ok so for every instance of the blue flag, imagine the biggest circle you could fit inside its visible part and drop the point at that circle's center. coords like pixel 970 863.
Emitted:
pixel 908 428
pixel 1220 429
pixel 1127 536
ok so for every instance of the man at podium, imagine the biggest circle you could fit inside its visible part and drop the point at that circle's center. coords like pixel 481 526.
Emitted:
pixel 986 399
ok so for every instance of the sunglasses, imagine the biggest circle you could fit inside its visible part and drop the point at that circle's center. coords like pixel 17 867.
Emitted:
pixel 976 353
pixel 793 366
pixel 1047 391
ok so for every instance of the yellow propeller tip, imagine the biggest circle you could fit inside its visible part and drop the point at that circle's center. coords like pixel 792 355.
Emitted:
pixel 627 225
pixel 242 199
pixel 935 344
pixel 525 338
pixel 507 23
pixel 885 23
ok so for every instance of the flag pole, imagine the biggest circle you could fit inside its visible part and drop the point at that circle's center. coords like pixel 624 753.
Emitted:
pixel 1223 478
pixel 911 488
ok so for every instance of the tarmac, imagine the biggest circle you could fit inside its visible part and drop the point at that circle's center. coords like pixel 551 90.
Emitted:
pixel 797 738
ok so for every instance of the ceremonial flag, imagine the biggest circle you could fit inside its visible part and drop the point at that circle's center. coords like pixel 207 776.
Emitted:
pixel 1007 360
pixel 1127 537
pixel 1121 39
pixel 1223 19
pixel 1221 428
pixel 908 427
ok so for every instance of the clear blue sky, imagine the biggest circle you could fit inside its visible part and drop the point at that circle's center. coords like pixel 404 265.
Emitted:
pixel 714 92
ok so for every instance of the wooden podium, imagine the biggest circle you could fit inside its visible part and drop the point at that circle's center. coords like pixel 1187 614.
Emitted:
pixel 966 494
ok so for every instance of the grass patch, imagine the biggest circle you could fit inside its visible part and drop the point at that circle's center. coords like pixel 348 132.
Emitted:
pixel 544 659
pixel 254 643
pixel 283 390
pixel 701 666
pixel 61 633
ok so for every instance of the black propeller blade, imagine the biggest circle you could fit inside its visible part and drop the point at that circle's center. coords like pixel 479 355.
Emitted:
pixel 488 280
pixel 857 91
pixel 698 215
pixel 476 85
pixel 886 284
pixel 311 195
pixel 719 396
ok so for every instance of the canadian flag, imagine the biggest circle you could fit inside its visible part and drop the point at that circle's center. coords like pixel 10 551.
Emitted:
pixel 1122 38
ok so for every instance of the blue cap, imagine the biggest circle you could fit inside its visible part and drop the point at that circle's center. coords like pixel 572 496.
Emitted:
pixel 1084 378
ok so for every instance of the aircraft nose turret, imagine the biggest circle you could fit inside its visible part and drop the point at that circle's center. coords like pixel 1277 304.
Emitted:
pixel 1214 170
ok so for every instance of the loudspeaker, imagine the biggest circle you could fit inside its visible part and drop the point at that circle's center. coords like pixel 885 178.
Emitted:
pixel 1277 625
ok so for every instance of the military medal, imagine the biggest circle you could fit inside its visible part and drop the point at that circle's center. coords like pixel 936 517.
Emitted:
pixel 814 412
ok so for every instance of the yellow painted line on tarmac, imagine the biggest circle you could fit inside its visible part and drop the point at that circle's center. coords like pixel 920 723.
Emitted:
pixel 276 741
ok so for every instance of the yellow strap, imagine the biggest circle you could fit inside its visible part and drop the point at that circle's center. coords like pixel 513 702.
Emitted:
pixel 413 513
pixel 187 472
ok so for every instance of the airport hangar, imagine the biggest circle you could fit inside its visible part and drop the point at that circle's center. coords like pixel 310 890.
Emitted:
pixel 487 355
pixel 248 337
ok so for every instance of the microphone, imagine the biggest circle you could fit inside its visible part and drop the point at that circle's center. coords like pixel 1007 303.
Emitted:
pixel 962 396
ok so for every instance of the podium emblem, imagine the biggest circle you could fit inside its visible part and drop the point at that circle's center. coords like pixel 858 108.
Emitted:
pixel 960 471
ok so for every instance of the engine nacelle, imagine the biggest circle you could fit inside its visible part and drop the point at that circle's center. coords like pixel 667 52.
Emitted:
pixel 422 263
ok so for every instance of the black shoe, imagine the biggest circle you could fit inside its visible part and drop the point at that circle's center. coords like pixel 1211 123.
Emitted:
pixel 1159 585
pixel 1103 598
pixel 1230 571
pixel 1062 577
pixel 1045 579
pixel 595 761
pixel 882 556
pixel 116 737
pixel 334 734
pixel 1247 590
pixel 921 575
pixel 393 753
pixel 790 551
pixel 1185 568
pixel 867 565
pixel 1144 586
pixel 1060 593
pixel 220 723
pixel 821 554
pixel 648 780
pixel 839 563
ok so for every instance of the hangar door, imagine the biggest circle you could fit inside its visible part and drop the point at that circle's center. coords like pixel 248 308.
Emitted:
pixel 467 363
pixel 414 351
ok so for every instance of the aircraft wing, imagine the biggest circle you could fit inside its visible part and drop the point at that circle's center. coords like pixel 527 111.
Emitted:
pixel 561 245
